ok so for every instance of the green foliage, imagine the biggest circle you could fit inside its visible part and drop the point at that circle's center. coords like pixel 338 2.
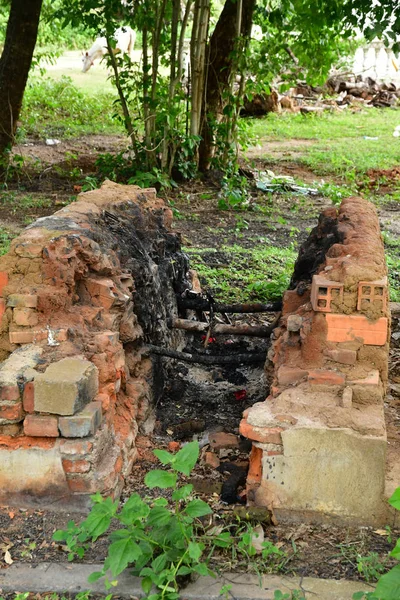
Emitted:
pixel 164 545
pixel 57 108
pixel 388 586
pixel 260 274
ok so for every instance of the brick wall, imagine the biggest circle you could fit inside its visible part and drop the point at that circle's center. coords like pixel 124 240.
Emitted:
pixel 81 292
pixel 330 361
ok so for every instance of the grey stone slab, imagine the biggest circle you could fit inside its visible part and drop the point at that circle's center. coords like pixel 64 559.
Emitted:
pixel 66 386
pixel 72 578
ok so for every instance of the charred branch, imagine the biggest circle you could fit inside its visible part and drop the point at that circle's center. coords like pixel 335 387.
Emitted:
pixel 205 304
pixel 208 359
pixel 243 329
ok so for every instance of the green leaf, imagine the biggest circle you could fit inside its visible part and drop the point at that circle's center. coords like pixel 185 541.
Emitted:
pixel 184 570
pixel 394 499
pixel 159 563
pixel 147 584
pixel 161 479
pixel 183 492
pixel 161 502
pixel 95 576
pixel 195 550
pixel 134 510
pixel 388 586
pixel 159 516
pixel 201 569
pixel 396 550
pixel 223 540
pixel 121 554
pixel 186 458
pixel 197 508
pixel 99 518
pixel 166 458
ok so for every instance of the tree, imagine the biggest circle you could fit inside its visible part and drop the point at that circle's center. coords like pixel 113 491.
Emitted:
pixel 15 62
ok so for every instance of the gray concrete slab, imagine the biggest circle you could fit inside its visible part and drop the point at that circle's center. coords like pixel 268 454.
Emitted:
pixel 72 578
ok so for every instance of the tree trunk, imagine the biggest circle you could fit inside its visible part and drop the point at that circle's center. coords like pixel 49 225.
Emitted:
pixel 15 63
pixel 221 62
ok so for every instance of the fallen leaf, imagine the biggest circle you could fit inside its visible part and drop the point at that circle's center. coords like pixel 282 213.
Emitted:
pixel 7 558
pixel 381 532
pixel 11 515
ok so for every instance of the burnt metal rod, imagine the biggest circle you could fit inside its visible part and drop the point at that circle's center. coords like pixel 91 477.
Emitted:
pixel 233 359
pixel 250 307
pixel 250 330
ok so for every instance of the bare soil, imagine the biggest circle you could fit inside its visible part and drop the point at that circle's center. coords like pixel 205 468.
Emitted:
pixel 325 551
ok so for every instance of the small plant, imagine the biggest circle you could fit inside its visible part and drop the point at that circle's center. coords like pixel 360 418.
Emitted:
pixel 163 545
pixel 388 586
pixel 371 567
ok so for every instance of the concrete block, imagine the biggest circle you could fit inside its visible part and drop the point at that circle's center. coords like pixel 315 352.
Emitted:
pixel 83 423
pixel 66 387
pixel 327 471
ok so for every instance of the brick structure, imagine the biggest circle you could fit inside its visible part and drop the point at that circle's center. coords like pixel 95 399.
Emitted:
pixel 320 436
pixel 81 293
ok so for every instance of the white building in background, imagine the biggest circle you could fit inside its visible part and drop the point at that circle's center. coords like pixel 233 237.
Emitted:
pixel 378 62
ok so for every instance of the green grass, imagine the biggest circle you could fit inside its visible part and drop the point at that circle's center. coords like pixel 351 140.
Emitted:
pixel 5 240
pixel 339 146
pixel 256 274
pixel 392 251
pixel 59 109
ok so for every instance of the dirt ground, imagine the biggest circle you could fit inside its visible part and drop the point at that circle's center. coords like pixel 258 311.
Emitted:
pixel 325 551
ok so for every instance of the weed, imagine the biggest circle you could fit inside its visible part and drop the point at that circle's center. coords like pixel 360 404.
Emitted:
pixel 164 545
pixel 371 566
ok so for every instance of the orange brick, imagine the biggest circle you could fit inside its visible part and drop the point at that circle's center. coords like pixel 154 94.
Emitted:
pixel 41 426
pixel 173 446
pixel 80 485
pixel 211 460
pixel 25 317
pixel 28 336
pixel 118 465
pixel 9 392
pixel 75 466
pixel 290 375
pixel 255 465
pixel 323 291
pixel 28 397
pixel 344 328
pixel 11 412
pixel 265 435
pixel 3 281
pixel 325 377
pixel 75 448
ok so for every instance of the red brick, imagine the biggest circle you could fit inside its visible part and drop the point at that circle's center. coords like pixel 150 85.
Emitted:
pixel 41 426
pixel 325 377
pixel 3 281
pixel 255 465
pixel 290 375
pixel 105 401
pixel 9 392
pixel 28 397
pixel 25 317
pixel 75 448
pixel 211 460
pixel 25 300
pixel 220 440
pixel 81 485
pixel 11 412
pixel 28 336
pixel 342 356
pixel 265 435
pixel 75 466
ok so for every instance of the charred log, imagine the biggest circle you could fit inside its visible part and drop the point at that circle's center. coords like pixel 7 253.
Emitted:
pixel 209 359
pixel 206 304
